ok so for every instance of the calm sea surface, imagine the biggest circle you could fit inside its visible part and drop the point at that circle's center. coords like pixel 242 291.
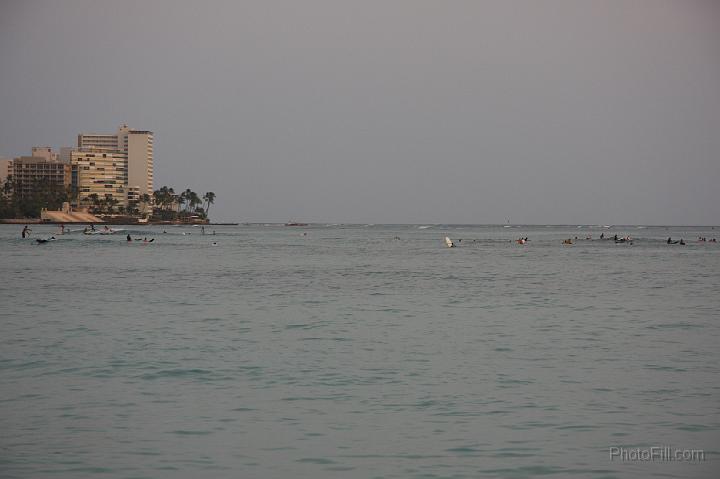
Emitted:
pixel 361 351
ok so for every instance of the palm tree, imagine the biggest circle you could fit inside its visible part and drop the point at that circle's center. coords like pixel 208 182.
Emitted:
pixel 71 194
pixel 7 187
pixel 164 197
pixel 132 207
pixel 110 203
pixel 94 200
pixel 158 198
pixel 209 198
pixel 170 197
pixel 180 199
pixel 188 196
pixel 194 201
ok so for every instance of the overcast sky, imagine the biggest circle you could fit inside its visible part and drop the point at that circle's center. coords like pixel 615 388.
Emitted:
pixel 388 111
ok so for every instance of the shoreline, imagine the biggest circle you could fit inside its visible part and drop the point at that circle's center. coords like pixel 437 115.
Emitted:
pixel 35 221
pixel 38 221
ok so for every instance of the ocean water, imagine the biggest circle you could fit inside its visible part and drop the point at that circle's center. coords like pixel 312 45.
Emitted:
pixel 359 351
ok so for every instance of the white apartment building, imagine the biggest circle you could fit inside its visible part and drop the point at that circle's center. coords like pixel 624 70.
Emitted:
pixel 100 172
pixel 135 146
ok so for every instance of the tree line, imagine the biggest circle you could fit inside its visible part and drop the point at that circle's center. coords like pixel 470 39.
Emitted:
pixel 169 205
pixel 38 194
pixel 41 193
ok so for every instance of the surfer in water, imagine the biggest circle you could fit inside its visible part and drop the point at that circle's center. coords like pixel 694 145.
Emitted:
pixel 26 232
pixel 129 238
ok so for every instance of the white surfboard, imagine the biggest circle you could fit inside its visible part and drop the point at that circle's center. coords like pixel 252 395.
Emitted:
pixel 449 242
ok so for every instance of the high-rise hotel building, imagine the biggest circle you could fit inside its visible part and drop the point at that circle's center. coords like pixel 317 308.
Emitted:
pixel 118 166
pixel 41 169
pixel 100 172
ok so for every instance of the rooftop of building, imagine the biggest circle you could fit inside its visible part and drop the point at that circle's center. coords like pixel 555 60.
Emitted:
pixel 35 159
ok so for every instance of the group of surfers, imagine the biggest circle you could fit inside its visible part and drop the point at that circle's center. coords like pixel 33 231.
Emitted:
pixel 701 239
pixel 26 233
pixel 144 240
pixel 106 230
pixel 616 238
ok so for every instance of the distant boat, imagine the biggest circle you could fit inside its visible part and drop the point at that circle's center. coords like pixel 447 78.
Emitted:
pixel 292 223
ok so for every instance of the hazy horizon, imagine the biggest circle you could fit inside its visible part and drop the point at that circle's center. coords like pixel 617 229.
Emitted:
pixel 556 112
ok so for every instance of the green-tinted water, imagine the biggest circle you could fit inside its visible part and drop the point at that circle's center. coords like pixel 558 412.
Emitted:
pixel 357 351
